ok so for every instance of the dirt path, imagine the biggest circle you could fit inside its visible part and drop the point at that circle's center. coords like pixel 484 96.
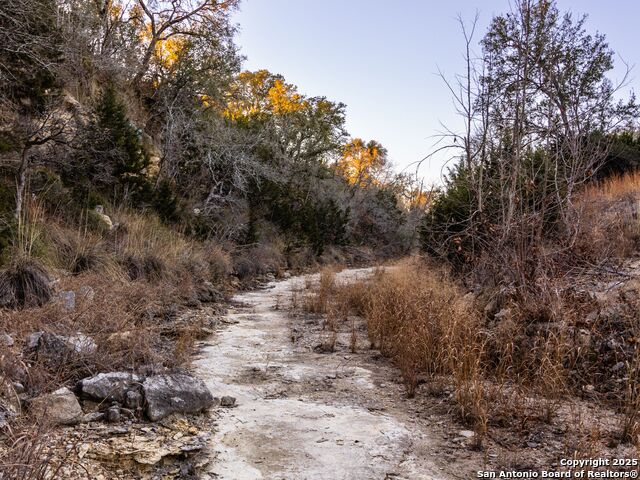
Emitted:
pixel 302 414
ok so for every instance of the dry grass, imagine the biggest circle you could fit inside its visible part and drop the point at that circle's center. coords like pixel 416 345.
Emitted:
pixel 25 283
pixel 501 371
pixel 418 318
pixel 614 188
pixel 29 455
pixel 323 293
pixel 607 219
pixel 142 276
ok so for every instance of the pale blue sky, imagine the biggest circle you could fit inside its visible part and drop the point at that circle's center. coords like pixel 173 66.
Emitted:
pixel 380 58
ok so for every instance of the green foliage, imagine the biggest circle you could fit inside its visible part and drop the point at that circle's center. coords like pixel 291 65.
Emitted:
pixel 229 145
pixel 443 226
pixel 166 202
pixel 111 159
pixel 29 46
pixel 121 139
pixel 303 216
pixel 623 155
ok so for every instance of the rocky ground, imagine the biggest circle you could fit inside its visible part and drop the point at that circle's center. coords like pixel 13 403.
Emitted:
pixel 282 405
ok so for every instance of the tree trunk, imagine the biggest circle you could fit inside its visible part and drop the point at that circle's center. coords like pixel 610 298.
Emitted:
pixel 21 182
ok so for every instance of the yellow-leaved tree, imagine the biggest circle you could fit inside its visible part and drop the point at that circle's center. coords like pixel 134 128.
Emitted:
pixel 363 163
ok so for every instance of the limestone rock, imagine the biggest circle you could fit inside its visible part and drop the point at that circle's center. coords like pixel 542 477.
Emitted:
pixel 111 387
pixel 228 402
pixel 175 393
pixel 58 349
pixel 68 300
pixel 6 340
pixel 60 407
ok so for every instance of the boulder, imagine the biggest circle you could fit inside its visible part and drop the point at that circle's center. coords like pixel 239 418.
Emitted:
pixel 60 407
pixel 175 393
pixel 57 348
pixel 110 387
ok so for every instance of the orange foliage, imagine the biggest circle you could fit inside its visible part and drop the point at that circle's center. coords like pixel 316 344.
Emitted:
pixel 263 93
pixel 362 163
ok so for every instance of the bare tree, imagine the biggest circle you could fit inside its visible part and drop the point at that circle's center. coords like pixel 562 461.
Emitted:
pixel 538 112
pixel 165 20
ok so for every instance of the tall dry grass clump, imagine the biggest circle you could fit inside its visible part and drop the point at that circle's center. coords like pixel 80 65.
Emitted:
pixel 324 293
pixel 435 332
pixel 419 318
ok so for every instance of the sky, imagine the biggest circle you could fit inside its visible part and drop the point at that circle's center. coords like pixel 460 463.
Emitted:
pixel 381 59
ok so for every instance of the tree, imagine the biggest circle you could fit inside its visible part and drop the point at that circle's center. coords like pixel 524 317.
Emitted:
pixel 296 129
pixel 363 163
pixel 110 156
pixel 29 58
pixel 539 112
pixel 165 25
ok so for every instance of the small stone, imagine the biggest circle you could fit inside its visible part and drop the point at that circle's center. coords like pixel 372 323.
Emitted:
pixel 93 417
pixel 60 407
pixel 18 387
pixel 618 366
pixel 133 400
pixel 227 401
pixel 113 414
pixel 86 293
pixel 102 217
pixel 82 450
pixel 503 314
pixel 6 340
pixel 3 420
pixel 82 344
pixel 68 300
pixel 466 433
